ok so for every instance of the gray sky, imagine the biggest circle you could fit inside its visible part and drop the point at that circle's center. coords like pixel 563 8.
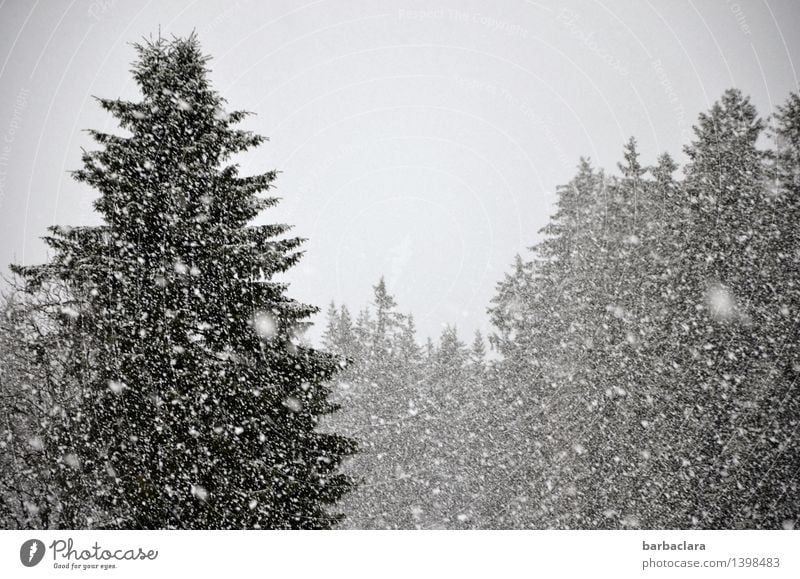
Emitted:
pixel 419 140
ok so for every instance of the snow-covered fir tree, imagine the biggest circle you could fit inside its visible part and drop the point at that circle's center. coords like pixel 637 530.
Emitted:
pixel 199 404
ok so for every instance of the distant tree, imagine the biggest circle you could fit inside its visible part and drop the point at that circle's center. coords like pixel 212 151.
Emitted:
pixel 339 336
pixel 348 345
pixel 408 350
pixel 387 325
pixel 429 350
pixel 330 337
pixel 362 331
pixel 509 307
pixel 477 353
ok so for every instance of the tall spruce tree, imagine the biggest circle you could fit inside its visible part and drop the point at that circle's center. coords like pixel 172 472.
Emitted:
pixel 772 494
pixel 785 239
pixel 608 322
pixel 720 312
pixel 200 405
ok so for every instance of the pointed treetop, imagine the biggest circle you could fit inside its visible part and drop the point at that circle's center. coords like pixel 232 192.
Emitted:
pixel 383 300
pixel 665 167
pixel 478 349
pixel 631 168
pixel 732 122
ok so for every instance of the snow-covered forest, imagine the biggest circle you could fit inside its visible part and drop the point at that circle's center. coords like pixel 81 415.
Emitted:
pixel 641 371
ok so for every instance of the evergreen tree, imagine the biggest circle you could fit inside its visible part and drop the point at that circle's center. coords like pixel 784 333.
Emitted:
pixel 339 336
pixel 430 350
pixel 509 307
pixel 363 335
pixel 606 327
pixel 386 323
pixel 409 352
pixel 477 353
pixel 568 267
pixel 200 406
pixel 330 337
pixel 451 357
pixel 661 480
pixel 785 237
pixel 771 425
pixel 348 345
pixel 719 311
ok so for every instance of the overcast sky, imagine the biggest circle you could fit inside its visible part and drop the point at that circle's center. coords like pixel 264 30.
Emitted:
pixel 418 140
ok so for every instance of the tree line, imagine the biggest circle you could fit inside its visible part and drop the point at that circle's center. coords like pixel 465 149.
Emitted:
pixel 652 337
pixel 415 409
pixel 647 357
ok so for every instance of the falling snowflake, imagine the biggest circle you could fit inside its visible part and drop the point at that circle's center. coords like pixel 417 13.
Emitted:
pixel 199 492
pixel 264 325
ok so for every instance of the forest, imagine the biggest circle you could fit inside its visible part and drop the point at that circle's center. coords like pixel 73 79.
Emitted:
pixel 641 370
